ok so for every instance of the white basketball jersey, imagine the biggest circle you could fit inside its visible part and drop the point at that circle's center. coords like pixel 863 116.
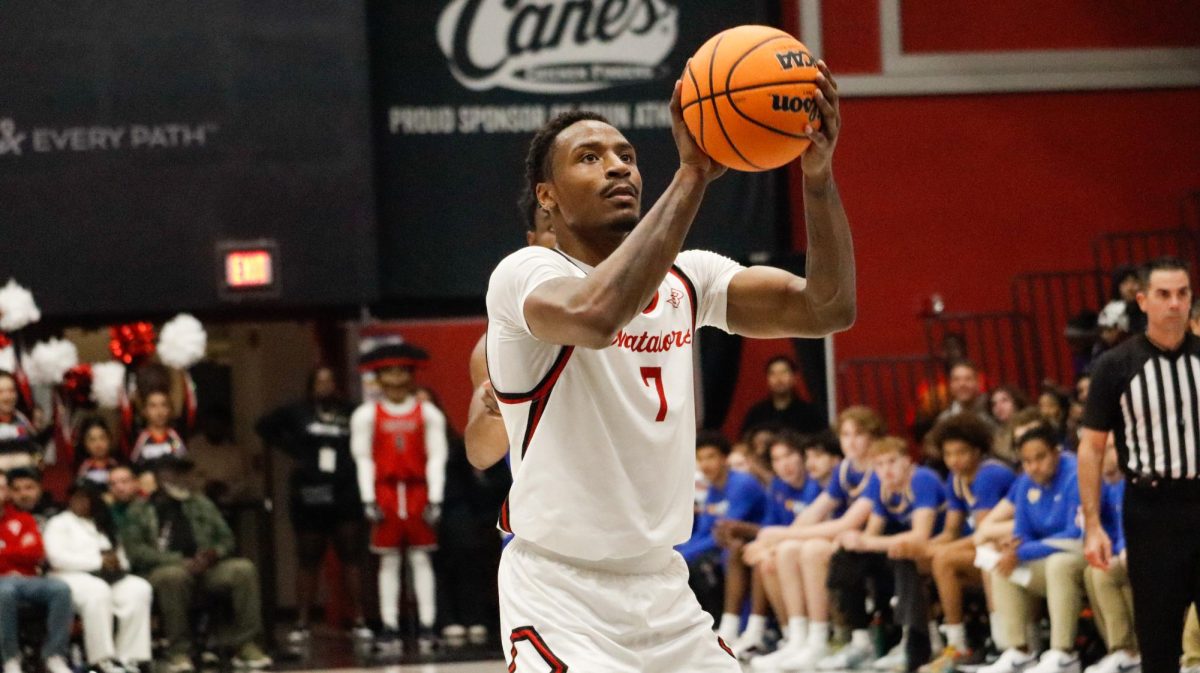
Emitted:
pixel 602 442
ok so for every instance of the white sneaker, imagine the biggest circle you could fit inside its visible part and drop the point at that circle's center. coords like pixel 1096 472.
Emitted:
pixel 894 660
pixel 13 665
pixel 1011 660
pixel 477 634
pixel 1117 662
pixel 1057 661
pixel 747 645
pixel 1194 668
pixel 849 658
pixel 769 663
pixel 57 665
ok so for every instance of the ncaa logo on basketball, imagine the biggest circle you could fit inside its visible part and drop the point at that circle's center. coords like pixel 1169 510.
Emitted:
pixel 794 59
pixel 557 46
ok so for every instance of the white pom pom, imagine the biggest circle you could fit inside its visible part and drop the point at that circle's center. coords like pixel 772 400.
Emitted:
pixel 8 359
pixel 49 360
pixel 182 341
pixel 17 308
pixel 108 378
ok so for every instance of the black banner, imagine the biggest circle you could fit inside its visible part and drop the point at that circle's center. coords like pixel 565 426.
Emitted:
pixel 460 86
pixel 134 136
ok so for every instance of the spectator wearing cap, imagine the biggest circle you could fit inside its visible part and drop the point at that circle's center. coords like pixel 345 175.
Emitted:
pixel 178 541
pixel 1112 326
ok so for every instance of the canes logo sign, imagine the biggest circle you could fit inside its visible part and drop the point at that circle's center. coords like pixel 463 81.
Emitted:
pixel 557 46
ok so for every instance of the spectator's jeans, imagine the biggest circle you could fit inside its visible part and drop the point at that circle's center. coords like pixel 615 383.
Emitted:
pixel 174 588
pixel 48 592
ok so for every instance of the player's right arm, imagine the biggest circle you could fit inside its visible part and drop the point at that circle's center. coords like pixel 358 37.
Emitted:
pixel 485 436
pixel 587 312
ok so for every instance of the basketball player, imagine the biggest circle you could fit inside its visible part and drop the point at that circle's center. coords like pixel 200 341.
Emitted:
pixel 589 349
pixel 485 437
pixel 399 447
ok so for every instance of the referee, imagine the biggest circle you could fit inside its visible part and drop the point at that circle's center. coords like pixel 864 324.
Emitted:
pixel 1145 391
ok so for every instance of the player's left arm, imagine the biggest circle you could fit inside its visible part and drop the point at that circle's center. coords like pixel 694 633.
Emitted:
pixel 436 450
pixel 766 302
pixel 485 436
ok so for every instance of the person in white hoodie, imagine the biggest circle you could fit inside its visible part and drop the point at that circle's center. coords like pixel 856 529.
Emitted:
pixel 82 551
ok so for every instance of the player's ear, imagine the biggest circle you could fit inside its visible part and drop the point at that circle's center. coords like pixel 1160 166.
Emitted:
pixel 546 197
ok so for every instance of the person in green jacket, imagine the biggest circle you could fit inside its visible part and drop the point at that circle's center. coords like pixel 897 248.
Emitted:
pixel 178 541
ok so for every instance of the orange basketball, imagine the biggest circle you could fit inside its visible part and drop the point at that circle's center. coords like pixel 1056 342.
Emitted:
pixel 747 96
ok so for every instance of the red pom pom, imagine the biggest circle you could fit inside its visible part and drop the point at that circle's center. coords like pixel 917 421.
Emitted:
pixel 77 386
pixel 132 342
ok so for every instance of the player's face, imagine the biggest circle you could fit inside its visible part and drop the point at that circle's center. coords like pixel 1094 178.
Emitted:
pixel 959 457
pixel 1039 460
pixel 96 442
pixel 1003 406
pixel 854 441
pixel 157 410
pixel 786 463
pixel 819 464
pixel 543 230
pixel 8 396
pixel 892 469
pixel 594 181
pixel 1167 300
pixel 711 462
pixel 964 385
pixel 780 378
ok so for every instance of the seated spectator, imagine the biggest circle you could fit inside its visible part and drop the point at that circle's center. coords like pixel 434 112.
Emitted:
pixel 792 489
pixel 1113 326
pixel 18 436
pixel 976 485
pixel 966 392
pixel 94 452
pixel 21 557
pixel 81 547
pixel 123 491
pixel 799 554
pixel 908 508
pixel 783 409
pixel 755 447
pixel 1044 558
pixel 1108 590
pixel 26 492
pixel 1004 403
pixel 178 540
pixel 731 495
pixel 1053 404
pixel 158 438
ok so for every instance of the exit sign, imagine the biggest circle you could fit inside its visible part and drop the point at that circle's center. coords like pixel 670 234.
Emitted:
pixel 248 269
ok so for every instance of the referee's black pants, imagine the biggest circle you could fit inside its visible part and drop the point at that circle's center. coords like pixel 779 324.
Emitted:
pixel 1162 538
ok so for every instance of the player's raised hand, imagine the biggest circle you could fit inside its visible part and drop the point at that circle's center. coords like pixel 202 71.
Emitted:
pixel 817 160
pixel 690 154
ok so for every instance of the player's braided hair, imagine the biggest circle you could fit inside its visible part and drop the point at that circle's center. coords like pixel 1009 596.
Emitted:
pixel 537 161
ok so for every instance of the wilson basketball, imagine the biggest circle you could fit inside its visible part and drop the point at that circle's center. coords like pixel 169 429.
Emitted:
pixel 747 95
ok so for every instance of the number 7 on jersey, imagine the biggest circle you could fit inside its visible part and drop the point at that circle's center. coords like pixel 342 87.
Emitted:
pixel 655 373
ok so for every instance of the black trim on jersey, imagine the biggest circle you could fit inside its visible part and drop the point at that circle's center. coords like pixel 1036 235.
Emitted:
pixel 691 289
pixel 539 645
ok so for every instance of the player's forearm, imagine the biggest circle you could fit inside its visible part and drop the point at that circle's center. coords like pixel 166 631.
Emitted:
pixel 621 285
pixel 829 259
pixel 485 436
pixel 1090 459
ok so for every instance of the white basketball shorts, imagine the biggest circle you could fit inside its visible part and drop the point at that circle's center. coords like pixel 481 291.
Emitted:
pixel 559 614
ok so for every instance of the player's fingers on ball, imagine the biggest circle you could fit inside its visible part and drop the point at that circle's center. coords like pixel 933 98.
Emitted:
pixel 817 137
pixel 827 109
pixel 824 69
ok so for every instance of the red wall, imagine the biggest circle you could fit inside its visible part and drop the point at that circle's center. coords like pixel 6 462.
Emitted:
pixel 956 194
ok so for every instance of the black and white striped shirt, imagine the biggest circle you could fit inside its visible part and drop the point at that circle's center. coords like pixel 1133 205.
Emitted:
pixel 1150 399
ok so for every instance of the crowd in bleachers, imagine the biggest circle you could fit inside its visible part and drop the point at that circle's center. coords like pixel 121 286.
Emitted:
pixel 852 548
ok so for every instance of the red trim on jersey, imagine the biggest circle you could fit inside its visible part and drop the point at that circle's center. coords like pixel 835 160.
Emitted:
pixel 652 304
pixel 504 525
pixel 721 642
pixel 691 290
pixel 544 386
pixel 529 633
